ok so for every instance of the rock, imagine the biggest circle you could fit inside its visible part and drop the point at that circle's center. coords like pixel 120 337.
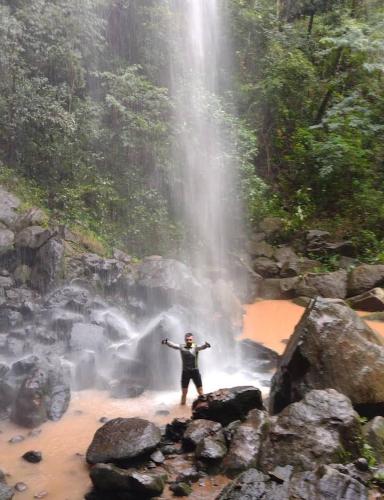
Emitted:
pixel 70 298
pixel 378 316
pixel 157 457
pixel 372 301
pixel 297 267
pixel 258 357
pixel 9 319
pixel 278 288
pixel 332 285
pixel 197 430
pixel 103 272
pixel 34 457
pixel 254 485
pixel 267 268
pixel 175 430
pixel 362 464
pixel 180 489
pixel 302 301
pixel 272 225
pixel 16 439
pixel 41 494
pixel 212 448
pixel 262 249
pixel 227 405
pixel 48 269
pixel 108 478
pixel 87 336
pixel 326 482
pixel 374 435
pixel 316 237
pixel 20 487
pixel 365 277
pixel 7 239
pixel 32 237
pixel 22 274
pixel 331 347
pixel 189 475
pixel 120 255
pixel 165 282
pixel 316 430
pixel 85 371
pixel 8 207
pixel 123 439
pixel 32 217
pixel 245 444
pixel 44 394
pixel 125 388
pixel 6 493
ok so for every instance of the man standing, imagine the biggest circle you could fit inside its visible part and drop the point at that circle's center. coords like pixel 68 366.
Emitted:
pixel 189 355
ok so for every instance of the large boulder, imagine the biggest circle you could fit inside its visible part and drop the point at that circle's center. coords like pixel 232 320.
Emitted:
pixel 123 440
pixel 316 430
pixel 331 347
pixel 8 207
pixel 197 430
pixel 365 277
pixel 44 393
pixel 112 480
pixel 48 269
pixel 256 357
pixel 332 285
pixel 372 301
pixel 32 237
pixel 227 405
pixel 164 282
pixel 245 443
pixel 7 239
pixel 278 288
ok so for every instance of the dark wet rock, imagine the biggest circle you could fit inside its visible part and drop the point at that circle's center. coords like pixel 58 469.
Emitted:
pixel 22 274
pixel 48 269
pixel 33 237
pixel 62 322
pixel 16 439
pixel 362 464
pixel 20 487
pixel 175 430
pixel 70 298
pixel 245 443
pixel 374 435
pixel 123 439
pixel 87 336
pixel 197 430
pixel 278 288
pixel 326 482
pixel 331 347
pixel 103 272
pixel 255 485
pixel 6 493
pixel 212 448
pixel 364 278
pixel 189 475
pixel 8 207
pixel 108 478
pixel 302 301
pixel 301 265
pixel 180 489
pixel 267 268
pixel 125 388
pixel 115 329
pixel 316 237
pixel 7 239
pixel 372 301
pixel 315 430
pixel 227 405
pixel 34 457
pixel 170 449
pixel 332 285
pixel 258 357
pixel 44 394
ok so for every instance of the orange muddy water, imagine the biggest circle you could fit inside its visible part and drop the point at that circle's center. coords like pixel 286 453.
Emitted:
pixel 63 474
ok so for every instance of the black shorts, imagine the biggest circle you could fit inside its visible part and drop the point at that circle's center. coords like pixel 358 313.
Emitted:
pixel 187 375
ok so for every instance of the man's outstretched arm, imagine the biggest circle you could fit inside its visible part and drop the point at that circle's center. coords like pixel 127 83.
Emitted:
pixel 203 346
pixel 170 344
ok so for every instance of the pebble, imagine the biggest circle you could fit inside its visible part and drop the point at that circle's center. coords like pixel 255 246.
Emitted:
pixel 162 412
pixel 35 432
pixel 41 494
pixel 20 487
pixel 78 412
pixel 16 439
pixel 103 420
pixel 34 457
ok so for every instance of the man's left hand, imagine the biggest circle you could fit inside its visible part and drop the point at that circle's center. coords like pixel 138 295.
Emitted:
pixel 207 344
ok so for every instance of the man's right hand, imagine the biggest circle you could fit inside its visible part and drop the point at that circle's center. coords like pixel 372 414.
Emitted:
pixel 164 341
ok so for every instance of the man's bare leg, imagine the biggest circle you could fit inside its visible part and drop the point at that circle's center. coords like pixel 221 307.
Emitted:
pixel 184 393
pixel 200 391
